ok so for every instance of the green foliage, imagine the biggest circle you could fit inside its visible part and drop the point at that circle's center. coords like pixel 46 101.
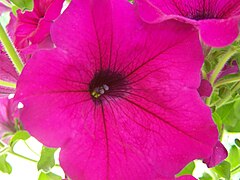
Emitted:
pixel 20 135
pixel 47 160
pixel 223 170
pixel 5 167
pixel 218 121
pixel 237 142
pixel 206 176
pixel 234 157
pixel 49 176
pixel 188 169
pixel 23 4
pixel 230 116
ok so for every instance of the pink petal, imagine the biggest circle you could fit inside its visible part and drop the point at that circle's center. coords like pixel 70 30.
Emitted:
pixel 219 33
pixel 58 85
pixel 219 154
pixel 217 24
pixel 148 12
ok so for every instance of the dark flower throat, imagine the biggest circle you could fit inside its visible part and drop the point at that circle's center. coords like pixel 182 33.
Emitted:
pixel 107 83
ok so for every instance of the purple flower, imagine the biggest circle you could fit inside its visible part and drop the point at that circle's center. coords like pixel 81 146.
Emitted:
pixel 119 96
pixel 216 20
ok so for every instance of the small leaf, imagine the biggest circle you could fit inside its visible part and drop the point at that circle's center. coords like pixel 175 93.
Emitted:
pixel 23 4
pixel 237 142
pixel 188 169
pixel 218 121
pixel 206 176
pixel 223 170
pixel 49 176
pixel 229 114
pixel 224 91
pixel 234 157
pixel 20 135
pixel 236 108
pixel 5 167
pixel 47 160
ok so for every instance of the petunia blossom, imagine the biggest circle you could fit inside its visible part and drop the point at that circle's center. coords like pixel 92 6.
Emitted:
pixel 33 27
pixel 216 20
pixel 118 95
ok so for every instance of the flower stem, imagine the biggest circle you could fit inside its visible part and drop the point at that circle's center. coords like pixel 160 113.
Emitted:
pixel 235 78
pixel 11 51
pixel 7 84
pixel 221 64
pixel 235 169
pixel 233 90
pixel 23 157
pixel 218 69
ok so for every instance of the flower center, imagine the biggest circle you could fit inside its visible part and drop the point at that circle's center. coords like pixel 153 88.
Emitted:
pixel 199 14
pixel 107 83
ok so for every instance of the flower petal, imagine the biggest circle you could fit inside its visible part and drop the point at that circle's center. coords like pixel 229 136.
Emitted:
pixel 219 33
pixel 219 154
pixel 47 93
pixel 205 88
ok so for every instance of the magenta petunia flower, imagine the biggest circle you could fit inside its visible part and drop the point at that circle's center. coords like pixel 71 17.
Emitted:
pixel 118 95
pixel 216 20
pixel 33 27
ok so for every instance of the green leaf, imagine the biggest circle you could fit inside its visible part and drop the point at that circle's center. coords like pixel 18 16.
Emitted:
pixel 206 176
pixel 14 10
pixel 19 135
pixel 233 157
pixel 47 160
pixel 236 108
pixel 224 91
pixel 223 170
pixel 218 121
pixel 5 167
pixel 230 116
pixel 188 169
pixel 23 4
pixel 237 142
pixel 49 176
